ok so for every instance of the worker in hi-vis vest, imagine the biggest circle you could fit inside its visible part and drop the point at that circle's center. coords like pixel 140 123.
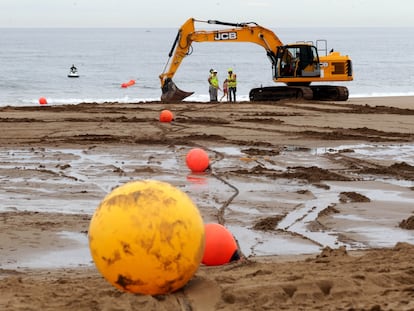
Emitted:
pixel 213 85
pixel 232 85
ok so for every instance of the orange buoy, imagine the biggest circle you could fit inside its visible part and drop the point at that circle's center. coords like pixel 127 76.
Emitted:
pixel 166 116
pixel 127 84
pixel 197 160
pixel 42 101
pixel 220 245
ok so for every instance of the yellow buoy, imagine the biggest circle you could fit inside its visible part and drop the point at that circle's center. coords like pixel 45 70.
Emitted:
pixel 147 237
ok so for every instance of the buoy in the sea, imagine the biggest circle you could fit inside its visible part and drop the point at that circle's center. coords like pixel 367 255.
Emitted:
pixel 221 247
pixel 166 116
pixel 42 101
pixel 197 160
pixel 147 237
pixel 128 84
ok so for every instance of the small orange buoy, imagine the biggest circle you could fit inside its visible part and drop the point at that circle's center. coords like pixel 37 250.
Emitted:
pixel 197 160
pixel 220 245
pixel 166 116
pixel 42 101
pixel 127 84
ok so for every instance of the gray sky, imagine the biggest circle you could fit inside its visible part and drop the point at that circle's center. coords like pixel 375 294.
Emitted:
pixel 172 13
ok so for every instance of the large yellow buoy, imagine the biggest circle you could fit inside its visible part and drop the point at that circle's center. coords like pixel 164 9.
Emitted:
pixel 147 237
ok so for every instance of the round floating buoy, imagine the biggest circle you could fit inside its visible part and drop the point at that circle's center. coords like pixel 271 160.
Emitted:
pixel 197 160
pixel 166 116
pixel 147 237
pixel 42 101
pixel 220 245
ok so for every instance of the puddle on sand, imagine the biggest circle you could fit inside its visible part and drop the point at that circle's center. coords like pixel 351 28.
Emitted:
pixel 76 180
pixel 393 153
pixel 76 253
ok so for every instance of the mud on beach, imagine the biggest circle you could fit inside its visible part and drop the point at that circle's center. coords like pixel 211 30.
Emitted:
pixel 319 195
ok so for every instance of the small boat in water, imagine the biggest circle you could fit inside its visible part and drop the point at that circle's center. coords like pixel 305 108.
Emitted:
pixel 73 72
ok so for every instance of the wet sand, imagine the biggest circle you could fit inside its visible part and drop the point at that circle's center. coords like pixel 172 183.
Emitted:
pixel 319 195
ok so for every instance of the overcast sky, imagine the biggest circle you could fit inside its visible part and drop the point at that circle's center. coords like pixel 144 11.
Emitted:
pixel 172 13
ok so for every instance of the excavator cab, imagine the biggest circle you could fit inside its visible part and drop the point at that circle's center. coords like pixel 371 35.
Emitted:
pixel 296 60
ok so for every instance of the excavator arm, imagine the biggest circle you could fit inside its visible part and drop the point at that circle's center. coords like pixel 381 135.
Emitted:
pixel 187 34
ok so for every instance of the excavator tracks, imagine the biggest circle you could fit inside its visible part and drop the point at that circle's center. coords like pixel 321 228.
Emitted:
pixel 272 93
pixel 330 92
pixel 319 92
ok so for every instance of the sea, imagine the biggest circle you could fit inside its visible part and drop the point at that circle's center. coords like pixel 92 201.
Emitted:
pixel 36 62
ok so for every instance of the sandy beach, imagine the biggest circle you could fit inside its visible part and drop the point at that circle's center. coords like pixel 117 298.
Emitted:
pixel 319 196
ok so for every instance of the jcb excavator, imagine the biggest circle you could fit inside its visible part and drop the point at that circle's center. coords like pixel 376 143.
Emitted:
pixel 297 65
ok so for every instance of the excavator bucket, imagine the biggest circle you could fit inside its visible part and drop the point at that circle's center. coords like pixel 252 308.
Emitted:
pixel 170 92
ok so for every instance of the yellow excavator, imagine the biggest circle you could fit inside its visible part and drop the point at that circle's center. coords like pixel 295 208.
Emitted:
pixel 297 65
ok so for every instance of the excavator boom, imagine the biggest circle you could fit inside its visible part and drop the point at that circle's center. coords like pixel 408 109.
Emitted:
pixel 296 65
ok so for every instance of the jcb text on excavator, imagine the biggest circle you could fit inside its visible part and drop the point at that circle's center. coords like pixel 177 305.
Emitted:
pixel 296 65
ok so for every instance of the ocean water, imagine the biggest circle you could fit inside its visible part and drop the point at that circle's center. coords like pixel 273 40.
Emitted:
pixel 35 63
